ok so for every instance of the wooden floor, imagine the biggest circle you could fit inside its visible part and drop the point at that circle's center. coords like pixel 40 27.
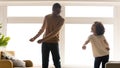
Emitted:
pixel 61 67
pixel 54 67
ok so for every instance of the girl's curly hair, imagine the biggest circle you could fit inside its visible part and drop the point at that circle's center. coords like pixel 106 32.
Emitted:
pixel 99 28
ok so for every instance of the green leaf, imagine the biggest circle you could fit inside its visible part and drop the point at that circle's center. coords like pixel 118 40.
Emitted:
pixel 4 40
pixel 2 37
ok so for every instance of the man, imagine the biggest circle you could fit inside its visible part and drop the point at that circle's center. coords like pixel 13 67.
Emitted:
pixel 52 25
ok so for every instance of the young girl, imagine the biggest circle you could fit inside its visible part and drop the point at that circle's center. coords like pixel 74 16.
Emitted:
pixel 100 46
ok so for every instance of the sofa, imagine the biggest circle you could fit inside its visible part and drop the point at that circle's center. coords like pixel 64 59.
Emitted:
pixel 9 64
pixel 113 64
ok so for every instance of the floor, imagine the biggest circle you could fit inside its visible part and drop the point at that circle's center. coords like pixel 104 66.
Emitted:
pixel 53 67
pixel 64 66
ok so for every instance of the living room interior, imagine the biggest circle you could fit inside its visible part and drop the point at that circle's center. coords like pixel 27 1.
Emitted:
pixel 22 19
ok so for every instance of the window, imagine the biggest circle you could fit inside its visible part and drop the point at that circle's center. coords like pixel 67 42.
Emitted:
pixel 76 32
pixel 20 35
pixel 75 36
pixel 89 11
pixel 24 49
pixel 28 11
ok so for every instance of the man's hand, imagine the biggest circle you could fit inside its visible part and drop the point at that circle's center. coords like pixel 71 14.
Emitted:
pixel 32 39
pixel 40 41
pixel 83 47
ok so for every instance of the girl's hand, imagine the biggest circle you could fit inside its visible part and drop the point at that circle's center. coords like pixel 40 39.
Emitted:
pixel 108 48
pixel 83 47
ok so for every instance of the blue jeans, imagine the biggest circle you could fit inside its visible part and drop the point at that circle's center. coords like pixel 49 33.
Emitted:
pixel 54 48
pixel 99 60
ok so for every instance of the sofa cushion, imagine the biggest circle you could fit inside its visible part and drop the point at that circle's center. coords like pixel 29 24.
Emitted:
pixel 5 55
pixel 16 62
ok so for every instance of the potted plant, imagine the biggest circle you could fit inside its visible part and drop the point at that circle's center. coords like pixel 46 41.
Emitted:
pixel 3 39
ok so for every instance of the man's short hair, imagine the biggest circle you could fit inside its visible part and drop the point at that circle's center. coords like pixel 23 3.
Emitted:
pixel 56 5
